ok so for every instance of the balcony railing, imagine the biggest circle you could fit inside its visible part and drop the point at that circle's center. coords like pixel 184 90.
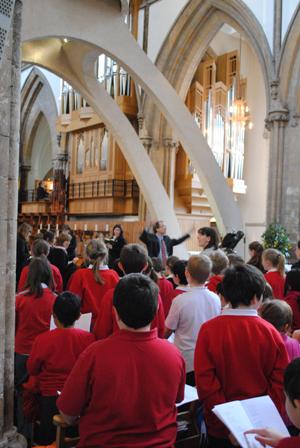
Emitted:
pixel 104 188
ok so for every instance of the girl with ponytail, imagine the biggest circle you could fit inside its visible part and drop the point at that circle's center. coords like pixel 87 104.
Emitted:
pixel 91 283
pixel 274 263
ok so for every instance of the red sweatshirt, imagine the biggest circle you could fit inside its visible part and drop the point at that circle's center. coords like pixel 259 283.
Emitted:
pixel 293 299
pixel 106 323
pixel 124 388
pixel 91 293
pixel 238 356
pixel 57 279
pixel 289 442
pixel 213 282
pixel 33 316
pixel 275 279
pixel 166 291
pixel 46 360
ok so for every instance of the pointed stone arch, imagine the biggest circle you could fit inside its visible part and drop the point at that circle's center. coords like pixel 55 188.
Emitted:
pixel 37 100
pixel 97 27
pixel 290 63
pixel 189 38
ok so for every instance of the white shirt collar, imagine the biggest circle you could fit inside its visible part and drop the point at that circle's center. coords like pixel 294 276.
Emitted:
pixel 272 270
pixel 239 312
pixel 101 268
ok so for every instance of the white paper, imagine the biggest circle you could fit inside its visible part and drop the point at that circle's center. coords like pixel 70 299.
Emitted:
pixel 190 395
pixel 240 416
pixel 84 322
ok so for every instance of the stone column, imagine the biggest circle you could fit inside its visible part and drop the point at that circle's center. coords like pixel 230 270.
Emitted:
pixel 171 148
pixel 9 135
pixel 276 123
pixel 147 143
pixel 24 170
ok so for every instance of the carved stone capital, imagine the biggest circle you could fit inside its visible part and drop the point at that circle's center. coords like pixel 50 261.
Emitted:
pixel 60 161
pixel 295 120
pixel 146 142
pixel 171 144
pixel 280 116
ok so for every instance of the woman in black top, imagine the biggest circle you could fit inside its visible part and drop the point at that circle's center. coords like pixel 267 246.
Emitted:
pixel 255 251
pixel 115 245
pixel 24 232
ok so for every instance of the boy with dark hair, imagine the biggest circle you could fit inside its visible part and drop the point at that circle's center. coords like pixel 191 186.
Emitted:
pixel 238 355
pixel 120 382
pixel 292 405
pixel 52 358
pixel 191 309
pixel 179 278
pixel 133 259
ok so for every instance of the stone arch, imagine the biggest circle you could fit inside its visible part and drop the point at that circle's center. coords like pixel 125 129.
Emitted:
pixel 107 33
pixel 289 60
pixel 190 37
pixel 37 100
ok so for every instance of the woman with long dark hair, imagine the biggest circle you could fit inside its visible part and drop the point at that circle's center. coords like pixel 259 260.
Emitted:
pixel 115 244
pixel 256 250
pixel 208 240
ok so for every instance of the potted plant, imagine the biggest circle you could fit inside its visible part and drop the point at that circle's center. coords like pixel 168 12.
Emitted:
pixel 276 236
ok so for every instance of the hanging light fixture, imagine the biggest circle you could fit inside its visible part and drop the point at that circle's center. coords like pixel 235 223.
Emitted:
pixel 239 111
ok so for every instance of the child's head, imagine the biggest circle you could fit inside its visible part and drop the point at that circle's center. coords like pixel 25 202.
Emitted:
pixel 96 252
pixel 243 284
pixel 297 250
pixel 40 247
pixel 235 260
pixel 150 271
pixel 292 391
pixel 292 280
pixel 278 313
pixel 133 258
pixel 179 272
pixel 255 249
pixel 49 237
pixel 198 269
pixel 268 293
pixel 157 265
pixel 66 308
pixel 170 263
pixel 219 260
pixel 135 300
pixel 63 240
pixel 273 259
pixel 39 272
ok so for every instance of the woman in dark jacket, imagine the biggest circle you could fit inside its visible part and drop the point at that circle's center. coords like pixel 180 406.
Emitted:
pixel 24 232
pixel 115 245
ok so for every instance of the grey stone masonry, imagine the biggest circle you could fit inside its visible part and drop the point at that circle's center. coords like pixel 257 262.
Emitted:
pixel 9 160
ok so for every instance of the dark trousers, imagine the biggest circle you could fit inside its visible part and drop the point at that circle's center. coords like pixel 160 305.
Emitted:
pixel 190 379
pixel 21 376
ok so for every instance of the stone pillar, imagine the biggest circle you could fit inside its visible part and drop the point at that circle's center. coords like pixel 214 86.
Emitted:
pixel 147 143
pixel 276 123
pixel 58 200
pixel 171 148
pixel 9 141
pixel 24 170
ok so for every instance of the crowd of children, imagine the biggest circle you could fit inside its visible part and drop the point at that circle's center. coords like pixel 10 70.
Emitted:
pixel 236 328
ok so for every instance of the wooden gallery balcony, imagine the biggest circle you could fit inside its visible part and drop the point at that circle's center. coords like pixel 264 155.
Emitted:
pixel 103 197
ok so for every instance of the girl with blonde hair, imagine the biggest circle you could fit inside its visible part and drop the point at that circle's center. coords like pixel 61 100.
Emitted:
pixel 274 264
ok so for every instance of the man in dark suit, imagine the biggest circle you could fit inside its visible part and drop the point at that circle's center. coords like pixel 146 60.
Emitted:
pixel 158 243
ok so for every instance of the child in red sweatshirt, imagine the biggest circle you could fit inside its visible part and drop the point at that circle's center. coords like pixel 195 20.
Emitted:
pixel 273 262
pixel 292 405
pixel 220 263
pixel 52 358
pixel 238 354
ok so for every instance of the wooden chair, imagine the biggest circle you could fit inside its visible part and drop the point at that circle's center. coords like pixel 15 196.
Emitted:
pixel 62 441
